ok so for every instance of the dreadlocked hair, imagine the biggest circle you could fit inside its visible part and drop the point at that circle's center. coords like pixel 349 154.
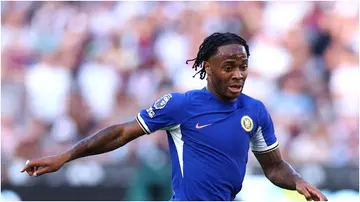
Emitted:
pixel 209 47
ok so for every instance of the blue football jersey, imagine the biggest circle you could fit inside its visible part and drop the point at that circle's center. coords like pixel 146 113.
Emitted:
pixel 209 140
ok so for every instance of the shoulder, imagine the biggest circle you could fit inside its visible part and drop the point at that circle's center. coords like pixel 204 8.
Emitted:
pixel 182 101
pixel 172 100
pixel 248 101
pixel 178 99
pixel 255 107
pixel 196 94
pixel 185 97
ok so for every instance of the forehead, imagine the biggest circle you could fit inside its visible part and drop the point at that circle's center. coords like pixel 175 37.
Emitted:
pixel 232 50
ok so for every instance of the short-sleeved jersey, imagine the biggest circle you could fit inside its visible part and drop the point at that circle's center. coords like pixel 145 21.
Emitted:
pixel 209 140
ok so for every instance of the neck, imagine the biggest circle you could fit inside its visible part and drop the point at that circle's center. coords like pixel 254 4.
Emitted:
pixel 210 87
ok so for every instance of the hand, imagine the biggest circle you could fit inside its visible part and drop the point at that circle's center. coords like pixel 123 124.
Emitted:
pixel 309 191
pixel 44 165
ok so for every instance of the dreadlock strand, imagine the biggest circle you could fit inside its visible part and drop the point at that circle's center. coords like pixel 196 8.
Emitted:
pixel 209 47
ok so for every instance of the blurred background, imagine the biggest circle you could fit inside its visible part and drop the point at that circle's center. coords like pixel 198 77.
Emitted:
pixel 69 69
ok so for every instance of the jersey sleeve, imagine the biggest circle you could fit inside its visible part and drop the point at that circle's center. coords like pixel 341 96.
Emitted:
pixel 164 113
pixel 264 139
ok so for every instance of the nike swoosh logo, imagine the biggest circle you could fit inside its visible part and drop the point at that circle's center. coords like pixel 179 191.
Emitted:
pixel 203 126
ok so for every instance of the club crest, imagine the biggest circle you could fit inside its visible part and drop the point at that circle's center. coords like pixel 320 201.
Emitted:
pixel 247 123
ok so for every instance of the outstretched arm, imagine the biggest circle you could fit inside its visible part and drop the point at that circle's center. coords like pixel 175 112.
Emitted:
pixel 281 174
pixel 103 141
pixel 166 112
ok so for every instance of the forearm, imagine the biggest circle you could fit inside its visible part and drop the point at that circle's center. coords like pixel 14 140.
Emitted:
pixel 103 141
pixel 279 172
pixel 283 175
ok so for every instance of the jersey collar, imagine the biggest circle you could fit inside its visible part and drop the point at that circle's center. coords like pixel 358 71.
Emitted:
pixel 236 104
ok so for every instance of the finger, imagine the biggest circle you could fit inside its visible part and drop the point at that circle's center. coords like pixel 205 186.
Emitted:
pixel 26 166
pixel 317 195
pixel 41 171
pixel 33 170
pixel 306 193
pixel 314 195
pixel 32 166
pixel 30 171
pixel 29 165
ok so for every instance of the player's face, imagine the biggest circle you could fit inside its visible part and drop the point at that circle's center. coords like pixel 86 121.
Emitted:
pixel 227 71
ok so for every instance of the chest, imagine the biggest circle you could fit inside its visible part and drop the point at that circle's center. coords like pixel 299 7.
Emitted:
pixel 227 132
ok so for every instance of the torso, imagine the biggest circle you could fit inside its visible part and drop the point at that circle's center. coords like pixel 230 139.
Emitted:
pixel 215 147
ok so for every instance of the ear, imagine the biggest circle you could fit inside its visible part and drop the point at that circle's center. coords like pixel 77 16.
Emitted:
pixel 207 68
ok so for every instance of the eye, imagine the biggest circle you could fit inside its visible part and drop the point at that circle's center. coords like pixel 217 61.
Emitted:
pixel 244 67
pixel 228 68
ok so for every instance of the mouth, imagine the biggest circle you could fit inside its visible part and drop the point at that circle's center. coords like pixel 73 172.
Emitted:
pixel 235 88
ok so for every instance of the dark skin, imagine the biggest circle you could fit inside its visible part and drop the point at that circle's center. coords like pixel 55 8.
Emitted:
pixel 281 174
pixel 225 69
pixel 229 67
pixel 106 140
pixel 227 72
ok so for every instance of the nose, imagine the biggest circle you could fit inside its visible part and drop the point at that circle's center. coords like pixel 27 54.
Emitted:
pixel 238 74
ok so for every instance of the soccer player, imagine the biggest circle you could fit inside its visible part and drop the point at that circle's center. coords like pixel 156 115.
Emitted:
pixel 210 131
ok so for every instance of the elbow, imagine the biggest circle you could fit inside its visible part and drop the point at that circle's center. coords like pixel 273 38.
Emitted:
pixel 113 136
pixel 122 142
pixel 123 135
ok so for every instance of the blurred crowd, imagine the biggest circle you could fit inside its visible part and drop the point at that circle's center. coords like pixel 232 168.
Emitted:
pixel 69 69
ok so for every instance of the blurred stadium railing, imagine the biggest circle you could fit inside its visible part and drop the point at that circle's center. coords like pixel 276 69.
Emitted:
pixel 71 68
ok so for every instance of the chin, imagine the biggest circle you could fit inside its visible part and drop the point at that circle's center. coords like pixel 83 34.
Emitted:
pixel 233 96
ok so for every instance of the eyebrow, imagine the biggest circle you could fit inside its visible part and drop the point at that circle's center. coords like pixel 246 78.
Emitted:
pixel 229 61
pixel 233 61
pixel 219 53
